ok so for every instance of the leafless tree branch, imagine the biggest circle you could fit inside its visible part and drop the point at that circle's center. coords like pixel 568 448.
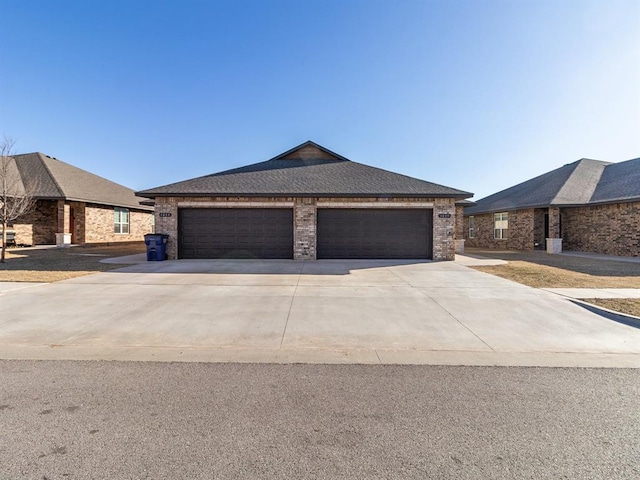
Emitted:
pixel 16 199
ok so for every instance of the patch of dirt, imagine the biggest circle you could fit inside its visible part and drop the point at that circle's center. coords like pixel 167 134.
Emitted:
pixel 55 264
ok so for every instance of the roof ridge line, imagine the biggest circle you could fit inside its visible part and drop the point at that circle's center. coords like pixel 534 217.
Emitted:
pixel 573 178
pixel 51 175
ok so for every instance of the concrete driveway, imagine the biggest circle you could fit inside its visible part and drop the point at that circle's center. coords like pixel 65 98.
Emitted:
pixel 324 311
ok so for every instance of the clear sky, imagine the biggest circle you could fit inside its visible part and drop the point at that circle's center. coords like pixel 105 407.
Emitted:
pixel 477 95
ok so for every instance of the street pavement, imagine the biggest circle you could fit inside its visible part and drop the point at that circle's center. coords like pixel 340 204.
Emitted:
pixel 315 312
pixel 136 420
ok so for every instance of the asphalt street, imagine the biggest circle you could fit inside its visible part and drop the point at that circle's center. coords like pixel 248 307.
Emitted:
pixel 130 420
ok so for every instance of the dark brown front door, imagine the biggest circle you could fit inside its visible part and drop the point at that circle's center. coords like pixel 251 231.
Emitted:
pixel 72 224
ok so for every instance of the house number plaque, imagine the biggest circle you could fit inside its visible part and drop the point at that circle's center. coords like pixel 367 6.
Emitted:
pixel 440 215
pixel 165 214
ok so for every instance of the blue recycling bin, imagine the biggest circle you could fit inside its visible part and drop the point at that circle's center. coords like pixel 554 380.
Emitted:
pixel 156 246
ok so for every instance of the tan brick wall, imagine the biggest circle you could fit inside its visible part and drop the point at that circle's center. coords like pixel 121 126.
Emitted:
pixel 554 222
pixel 305 214
pixel 39 226
pixel 90 223
pixel 608 229
pixel 304 229
pixel 98 224
pixel 459 233
pixel 444 229
pixel 521 231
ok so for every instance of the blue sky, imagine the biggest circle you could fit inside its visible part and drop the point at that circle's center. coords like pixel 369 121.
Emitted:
pixel 476 95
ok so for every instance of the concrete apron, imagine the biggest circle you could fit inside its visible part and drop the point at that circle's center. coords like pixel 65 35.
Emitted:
pixel 308 312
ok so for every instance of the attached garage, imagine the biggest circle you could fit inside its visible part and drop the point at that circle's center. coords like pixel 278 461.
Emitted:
pixel 235 233
pixel 374 233
pixel 307 203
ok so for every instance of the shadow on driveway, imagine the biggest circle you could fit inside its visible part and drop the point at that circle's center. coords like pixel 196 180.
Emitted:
pixel 609 315
pixel 267 267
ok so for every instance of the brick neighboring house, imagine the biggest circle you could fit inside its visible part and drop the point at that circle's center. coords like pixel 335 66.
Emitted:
pixel 307 203
pixel 587 205
pixel 72 201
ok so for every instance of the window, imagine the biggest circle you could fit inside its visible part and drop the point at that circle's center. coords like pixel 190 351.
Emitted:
pixel 501 226
pixel 472 228
pixel 121 220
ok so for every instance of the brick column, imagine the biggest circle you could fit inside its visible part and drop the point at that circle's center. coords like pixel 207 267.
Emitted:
pixel 304 229
pixel 166 218
pixel 459 233
pixel 444 227
pixel 64 217
pixel 554 242
pixel 63 235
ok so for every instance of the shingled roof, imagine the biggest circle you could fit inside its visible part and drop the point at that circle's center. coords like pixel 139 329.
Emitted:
pixel 52 179
pixel 308 170
pixel 584 182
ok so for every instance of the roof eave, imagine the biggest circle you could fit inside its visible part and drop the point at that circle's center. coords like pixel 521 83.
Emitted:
pixel 140 206
pixel 558 205
pixel 505 209
pixel 461 195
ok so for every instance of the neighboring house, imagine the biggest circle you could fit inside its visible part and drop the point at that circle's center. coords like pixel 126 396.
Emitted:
pixel 588 205
pixel 307 203
pixel 87 208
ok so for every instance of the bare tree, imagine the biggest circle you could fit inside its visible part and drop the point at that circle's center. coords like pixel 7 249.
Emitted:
pixel 15 198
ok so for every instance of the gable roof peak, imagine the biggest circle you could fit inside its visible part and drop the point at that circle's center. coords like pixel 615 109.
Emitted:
pixel 309 151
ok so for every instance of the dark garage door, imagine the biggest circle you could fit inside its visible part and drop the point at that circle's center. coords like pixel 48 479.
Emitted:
pixel 235 233
pixel 375 233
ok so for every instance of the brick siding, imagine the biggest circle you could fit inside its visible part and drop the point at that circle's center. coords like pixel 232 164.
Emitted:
pixel 304 228
pixel 305 217
pixel 608 229
pixel 520 234
pixel 39 226
pixel 90 224
pixel 98 225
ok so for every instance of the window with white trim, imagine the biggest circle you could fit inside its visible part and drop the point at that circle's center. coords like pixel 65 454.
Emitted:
pixel 501 226
pixel 472 226
pixel 121 220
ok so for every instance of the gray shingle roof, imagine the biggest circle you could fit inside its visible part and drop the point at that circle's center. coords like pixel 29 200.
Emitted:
pixel 306 170
pixel 583 182
pixel 53 179
pixel 619 182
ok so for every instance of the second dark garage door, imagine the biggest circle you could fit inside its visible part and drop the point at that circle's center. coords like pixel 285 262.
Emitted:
pixel 375 233
pixel 235 233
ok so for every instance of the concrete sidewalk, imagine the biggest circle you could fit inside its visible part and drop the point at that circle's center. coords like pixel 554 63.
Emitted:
pixel 598 256
pixel 308 312
pixel 595 292
pixel 9 286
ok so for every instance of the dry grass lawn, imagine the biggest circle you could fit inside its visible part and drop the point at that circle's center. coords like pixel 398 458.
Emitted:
pixel 630 306
pixel 540 270
pixel 54 264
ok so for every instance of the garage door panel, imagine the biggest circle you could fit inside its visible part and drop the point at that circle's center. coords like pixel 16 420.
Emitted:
pixel 375 233
pixel 236 233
